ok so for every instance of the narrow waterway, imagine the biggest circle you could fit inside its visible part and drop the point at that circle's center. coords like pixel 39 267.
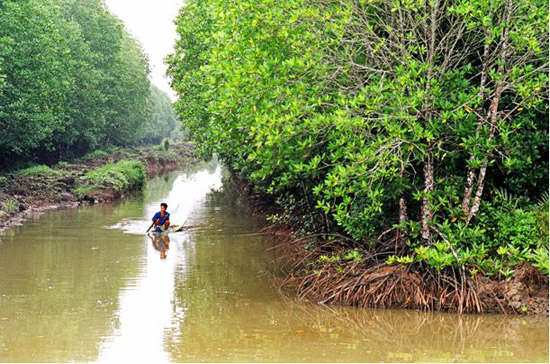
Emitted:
pixel 87 284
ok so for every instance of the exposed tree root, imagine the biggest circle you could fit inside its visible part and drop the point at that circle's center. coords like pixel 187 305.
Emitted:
pixel 368 283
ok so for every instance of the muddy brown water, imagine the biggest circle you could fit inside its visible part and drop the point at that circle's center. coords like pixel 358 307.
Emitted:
pixel 86 284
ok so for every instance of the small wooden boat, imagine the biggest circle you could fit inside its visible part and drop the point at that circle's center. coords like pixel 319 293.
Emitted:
pixel 171 229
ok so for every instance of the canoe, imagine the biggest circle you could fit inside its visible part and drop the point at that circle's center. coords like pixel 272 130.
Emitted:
pixel 171 229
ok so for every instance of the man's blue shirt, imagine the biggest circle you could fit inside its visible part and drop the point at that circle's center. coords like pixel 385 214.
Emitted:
pixel 161 218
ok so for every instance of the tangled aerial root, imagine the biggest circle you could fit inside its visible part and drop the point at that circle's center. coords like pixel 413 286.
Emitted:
pixel 387 286
pixel 368 283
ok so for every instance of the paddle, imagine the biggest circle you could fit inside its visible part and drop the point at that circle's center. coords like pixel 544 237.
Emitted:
pixel 157 220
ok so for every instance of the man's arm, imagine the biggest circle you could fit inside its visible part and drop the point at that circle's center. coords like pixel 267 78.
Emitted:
pixel 154 222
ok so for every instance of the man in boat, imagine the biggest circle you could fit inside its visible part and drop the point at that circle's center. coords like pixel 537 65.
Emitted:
pixel 161 220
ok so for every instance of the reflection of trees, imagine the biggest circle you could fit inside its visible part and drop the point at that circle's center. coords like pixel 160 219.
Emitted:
pixel 160 186
pixel 224 209
pixel 465 336
pixel 60 287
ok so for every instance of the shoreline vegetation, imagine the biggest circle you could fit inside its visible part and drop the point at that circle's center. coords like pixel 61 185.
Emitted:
pixel 403 145
pixel 333 269
pixel 97 177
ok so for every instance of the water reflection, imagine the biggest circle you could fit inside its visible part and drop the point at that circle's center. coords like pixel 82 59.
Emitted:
pixel 161 243
pixel 146 304
pixel 402 335
pixel 143 313
pixel 60 279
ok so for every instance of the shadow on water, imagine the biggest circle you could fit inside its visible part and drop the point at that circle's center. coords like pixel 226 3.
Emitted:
pixel 88 284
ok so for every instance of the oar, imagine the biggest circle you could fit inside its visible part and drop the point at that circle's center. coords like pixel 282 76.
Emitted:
pixel 157 220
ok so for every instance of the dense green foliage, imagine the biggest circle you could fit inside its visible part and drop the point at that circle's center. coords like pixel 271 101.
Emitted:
pixel 162 120
pixel 122 175
pixel 72 80
pixel 37 169
pixel 400 124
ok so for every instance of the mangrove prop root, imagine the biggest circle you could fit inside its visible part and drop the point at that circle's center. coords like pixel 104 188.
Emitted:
pixel 399 286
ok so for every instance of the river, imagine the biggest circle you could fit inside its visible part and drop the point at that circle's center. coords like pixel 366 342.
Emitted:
pixel 86 284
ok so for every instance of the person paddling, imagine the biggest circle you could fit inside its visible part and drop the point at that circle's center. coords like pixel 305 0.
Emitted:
pixel 161 220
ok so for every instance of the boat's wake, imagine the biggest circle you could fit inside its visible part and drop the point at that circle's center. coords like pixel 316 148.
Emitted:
pixel 131 225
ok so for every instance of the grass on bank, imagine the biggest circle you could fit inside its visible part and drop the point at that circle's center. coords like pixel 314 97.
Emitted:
pixel 38 169
pixel 99 153
pixel 10 206
pixel 122 175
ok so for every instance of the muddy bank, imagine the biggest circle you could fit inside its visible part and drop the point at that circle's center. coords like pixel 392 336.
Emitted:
pixel 369 282
pixel 25 195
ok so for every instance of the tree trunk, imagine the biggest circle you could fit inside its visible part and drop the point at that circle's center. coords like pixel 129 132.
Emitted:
pixel 426 210
pixel 493 111
pixel 481 120
pixel 402 234
pixel 493 114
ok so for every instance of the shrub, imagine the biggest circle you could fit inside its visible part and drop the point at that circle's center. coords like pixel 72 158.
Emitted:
pixel 519 228
pixel 96 154
pixel 126 174
pixel 504 236
pixel 63 164
pixel 539 259
pixel 82 191
pixel 38 169
pixel 10 206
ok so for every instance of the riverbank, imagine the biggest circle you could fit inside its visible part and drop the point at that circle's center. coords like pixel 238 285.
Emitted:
pixel 333 269
pixel 26 193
